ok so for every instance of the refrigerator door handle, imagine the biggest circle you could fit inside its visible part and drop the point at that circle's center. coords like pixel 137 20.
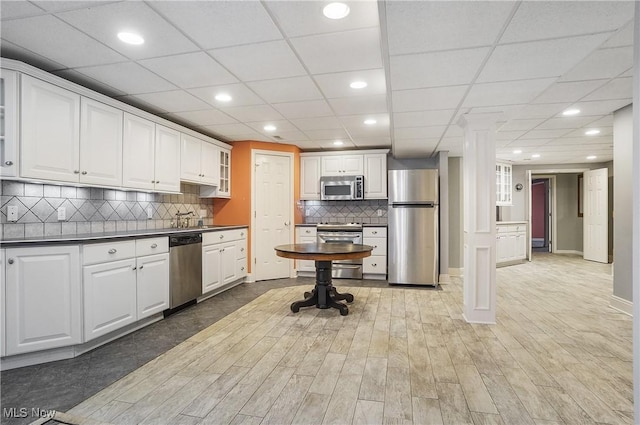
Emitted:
pixel 413 204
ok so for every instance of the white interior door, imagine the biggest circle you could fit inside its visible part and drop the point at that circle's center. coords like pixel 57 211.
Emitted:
pixel 273 198
pixel 595 215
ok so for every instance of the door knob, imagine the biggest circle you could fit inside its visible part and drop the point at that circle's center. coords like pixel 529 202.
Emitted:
pixel 10 261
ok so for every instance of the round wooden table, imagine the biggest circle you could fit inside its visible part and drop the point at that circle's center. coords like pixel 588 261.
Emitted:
pixel 324 295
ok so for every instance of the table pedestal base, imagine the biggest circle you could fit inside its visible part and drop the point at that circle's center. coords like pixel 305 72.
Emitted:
pixel 324 295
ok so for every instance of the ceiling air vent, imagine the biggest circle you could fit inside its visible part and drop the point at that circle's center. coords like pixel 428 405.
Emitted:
pixel 277 137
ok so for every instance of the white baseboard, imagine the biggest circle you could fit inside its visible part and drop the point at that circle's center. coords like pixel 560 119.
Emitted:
pixel 249 278
pixel 456 272
pixel 622 305
pixel 444 278
pixel 567 251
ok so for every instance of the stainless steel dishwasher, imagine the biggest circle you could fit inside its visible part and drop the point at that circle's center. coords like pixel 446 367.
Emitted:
pixel 185 268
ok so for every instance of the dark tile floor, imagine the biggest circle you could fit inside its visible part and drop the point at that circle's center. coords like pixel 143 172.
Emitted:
pixel 63 384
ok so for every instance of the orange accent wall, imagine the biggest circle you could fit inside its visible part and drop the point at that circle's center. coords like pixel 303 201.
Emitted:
pixel 237 210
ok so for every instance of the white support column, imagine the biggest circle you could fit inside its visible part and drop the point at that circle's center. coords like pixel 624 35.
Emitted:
pixel 479 182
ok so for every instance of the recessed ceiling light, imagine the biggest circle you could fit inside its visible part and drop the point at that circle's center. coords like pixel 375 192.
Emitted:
pixel 358 85
pixel 591 157
pixel 517 151
pixel 571 112
pixel 535 155
pixel 223 97
pixel 336 10
pixel 370 121
pixel 592 132
pixel 269 127
pixel 338 143
pixel 130 38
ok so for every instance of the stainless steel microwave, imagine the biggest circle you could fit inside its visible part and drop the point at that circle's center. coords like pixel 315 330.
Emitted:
pixel 341 188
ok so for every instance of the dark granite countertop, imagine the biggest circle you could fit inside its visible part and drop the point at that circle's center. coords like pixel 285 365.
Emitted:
pixel 100 237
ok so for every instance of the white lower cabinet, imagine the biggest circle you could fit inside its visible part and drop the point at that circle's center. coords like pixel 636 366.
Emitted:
pixel 375 266
pixel 306 234
pixel 511 243
pixel 43 298
pixel 122 288
pixel 109 297
pixel 224 258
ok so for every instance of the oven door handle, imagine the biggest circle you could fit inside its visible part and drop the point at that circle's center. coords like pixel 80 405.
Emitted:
pixel 341 266
pixel 347 241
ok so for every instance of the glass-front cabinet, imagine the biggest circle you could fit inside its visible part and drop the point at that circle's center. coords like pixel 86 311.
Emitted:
pixel 8 123
pixel 503 184
pixel 224 188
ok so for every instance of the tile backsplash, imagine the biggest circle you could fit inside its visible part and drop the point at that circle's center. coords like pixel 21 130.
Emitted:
pixel 92 210
pixel 365 212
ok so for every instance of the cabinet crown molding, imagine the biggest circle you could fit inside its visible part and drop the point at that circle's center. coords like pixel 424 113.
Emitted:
pixel 350 152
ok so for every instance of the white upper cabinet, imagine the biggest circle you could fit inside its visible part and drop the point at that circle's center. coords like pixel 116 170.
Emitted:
pixel 138 160
pixel 167 160
pixel 343 165
pixel 100 144
pixel 310 177
pixel 503 184
pixel 375 172
pixel 50 129
pixel 8 123
pixel 224 187
pixel 199 161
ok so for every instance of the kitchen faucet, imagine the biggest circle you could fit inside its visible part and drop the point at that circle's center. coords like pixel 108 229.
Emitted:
pixel 182 219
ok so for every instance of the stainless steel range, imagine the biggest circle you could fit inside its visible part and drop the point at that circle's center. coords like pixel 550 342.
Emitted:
pixel 349 233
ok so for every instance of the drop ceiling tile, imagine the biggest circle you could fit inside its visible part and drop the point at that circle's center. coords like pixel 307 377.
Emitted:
pixel 139 103
pixel 214 24
pixel 546 134
pixel 431 25
pixel 618 88
pixel 413 148
pixel 328 145
pixel 305 17
pixel 317 123
pixel 327 134
pixel 507 110
pixel 260 61
pixel 527 143
pixel 357 121
pixel 368 142
pixel 551 19
pixel 627 73
pixel 83 80
pixel 603 63
pixel 434 132
pixel 174 101
pixel 421 118
pixel 104 22
pixel 622 37
pixel 568 92
pixel 427 99
pixel 605 121
pixel 538 59
pixel 253 113
pixel 128 77
pixel 602 107
pixel 583 140
pixel 289 136
pixel 20 9
pixel 453 130
pixel 374 104
pixel 254 136
pixel 505 93
pixel 436 69
pixel 57 41
pixel 566 122
pixel 189 70
pixel 604 131
pixel 366 131
pixel 342 51
pixel 59 6
pixel 205 117
pixel 286 89
pixel 281 126
pixel 309 108
pixel 9 50
pixel 229 130
pixel 308 145
pixel 337 84
pixel 509 135
pixel 546 110
pixel 520 125
pixel 240 93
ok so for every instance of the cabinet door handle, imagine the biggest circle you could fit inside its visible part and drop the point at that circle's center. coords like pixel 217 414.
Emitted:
pixel 113 251
pixel 155 245
pixel 242 268
pixel 221 236
pixel 157 181
pixel 221 249
pixel 374 232
pixel 241 249
pixel 134 268
pixel 10 261
pixel 307 231
pixel 141 267
pixel 241 233
pixel 84 173
pixel 76 171
pixel 8 163
pixel 374 265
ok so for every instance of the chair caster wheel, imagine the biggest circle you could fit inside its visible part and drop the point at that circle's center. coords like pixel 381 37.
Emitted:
pixel 295 308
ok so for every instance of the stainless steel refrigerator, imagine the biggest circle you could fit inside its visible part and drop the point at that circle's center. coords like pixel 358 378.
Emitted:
pixel 413 227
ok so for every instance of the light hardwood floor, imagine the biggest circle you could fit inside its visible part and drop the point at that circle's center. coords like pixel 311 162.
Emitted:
pixel 558 354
